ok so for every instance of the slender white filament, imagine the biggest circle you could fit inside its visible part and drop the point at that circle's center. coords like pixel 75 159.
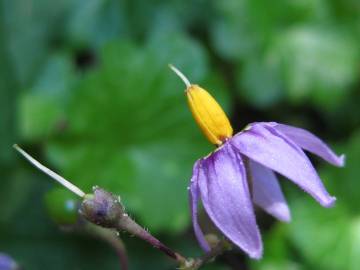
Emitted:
pixel 52 174
pixel 181 75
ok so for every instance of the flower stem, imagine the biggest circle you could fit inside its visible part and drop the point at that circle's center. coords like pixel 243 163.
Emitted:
pixel 111 237
pixel 128 224
pixel 207 257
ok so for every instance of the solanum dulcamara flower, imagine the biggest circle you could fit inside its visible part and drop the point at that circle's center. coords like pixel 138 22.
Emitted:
pixel 240 172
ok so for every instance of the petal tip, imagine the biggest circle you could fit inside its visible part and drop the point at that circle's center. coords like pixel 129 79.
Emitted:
pixel 329 203
pixel 280 211
pixel 255 250
pixel 256 254
pixel 286 220
pixel 286 215
pixel 342 160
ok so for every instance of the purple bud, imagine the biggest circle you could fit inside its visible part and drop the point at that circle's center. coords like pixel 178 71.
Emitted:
pixel 102 208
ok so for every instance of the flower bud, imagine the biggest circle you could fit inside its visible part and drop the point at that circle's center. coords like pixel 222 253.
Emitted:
pixel 208 114
pixel 102 208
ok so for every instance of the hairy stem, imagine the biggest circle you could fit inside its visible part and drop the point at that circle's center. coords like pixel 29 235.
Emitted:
pixel 126 223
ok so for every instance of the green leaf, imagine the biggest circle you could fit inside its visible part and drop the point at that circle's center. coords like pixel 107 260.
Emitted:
pixel 94 22
pixel 323 236
pixel 317 62
pixel 242 27
pixel 16 184
pixel 329 238
pixel 343 182
pixel 30 28
pixel 232 32
pixel 9 88
pixel 260 82
pixel 41 110
pixel 277 253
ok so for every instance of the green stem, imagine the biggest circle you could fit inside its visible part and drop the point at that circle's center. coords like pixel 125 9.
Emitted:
pixel 207 257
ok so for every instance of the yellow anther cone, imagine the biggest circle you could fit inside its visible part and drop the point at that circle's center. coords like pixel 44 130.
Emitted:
pixel 208 114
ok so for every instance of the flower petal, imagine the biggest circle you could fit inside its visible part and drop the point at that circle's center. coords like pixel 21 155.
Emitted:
pixel 226 199
pixel 267 192
pixel 7 263
pixel 194 198
pixel 263 144
pixel 311 143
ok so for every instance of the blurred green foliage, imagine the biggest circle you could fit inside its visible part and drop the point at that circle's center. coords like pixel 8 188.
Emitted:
pixel 86 89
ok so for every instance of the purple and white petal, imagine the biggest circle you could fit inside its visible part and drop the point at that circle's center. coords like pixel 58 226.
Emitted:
pixel 194 199
pixel 263 144
pixel 226 198
pixel 267 192
pixel 311 143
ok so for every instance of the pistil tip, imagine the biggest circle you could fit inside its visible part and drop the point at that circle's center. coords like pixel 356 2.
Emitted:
pixel 181 75
pixel 50 173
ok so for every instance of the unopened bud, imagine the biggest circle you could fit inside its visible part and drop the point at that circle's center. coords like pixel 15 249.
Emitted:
pixel 102 208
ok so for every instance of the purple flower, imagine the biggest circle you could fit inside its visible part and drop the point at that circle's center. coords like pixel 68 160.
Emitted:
pixel 240 172
pixel 7 263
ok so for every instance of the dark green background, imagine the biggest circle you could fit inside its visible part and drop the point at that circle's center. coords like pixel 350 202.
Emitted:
pixel 86 89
